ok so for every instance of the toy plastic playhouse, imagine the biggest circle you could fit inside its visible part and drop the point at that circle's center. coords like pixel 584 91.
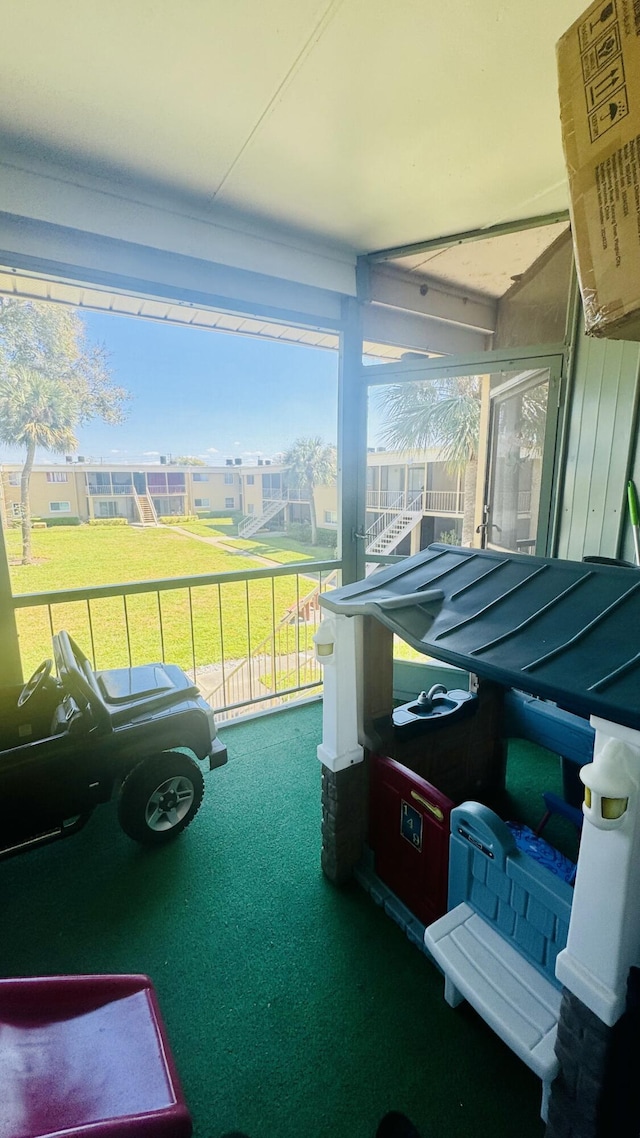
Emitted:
pixel 568 634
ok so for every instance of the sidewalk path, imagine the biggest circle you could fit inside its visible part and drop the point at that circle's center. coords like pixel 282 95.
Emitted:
pixel 219 543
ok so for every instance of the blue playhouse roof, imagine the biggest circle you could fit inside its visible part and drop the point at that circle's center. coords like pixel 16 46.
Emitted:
pixel 568 631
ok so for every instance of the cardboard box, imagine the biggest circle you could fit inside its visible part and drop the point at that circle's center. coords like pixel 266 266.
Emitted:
pixel 599 87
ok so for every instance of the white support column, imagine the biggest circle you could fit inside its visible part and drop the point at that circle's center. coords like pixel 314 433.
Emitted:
pixel 10 664
pixel 604 930
pixel 415 537
pixel 335 643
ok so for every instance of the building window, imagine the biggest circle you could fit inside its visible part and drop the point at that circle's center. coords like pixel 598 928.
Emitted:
pixel 251 508
pixel 57 476
pixel 122 483
pixel 271 485
pixel 59 507
pixel 331 517
pixel 16 509
pixel 228 479
pixel 14 477
pixel 200 477
pixel 201 503
pixel 250 479
pixel 229 503
pixel 99 483
pixel 108 509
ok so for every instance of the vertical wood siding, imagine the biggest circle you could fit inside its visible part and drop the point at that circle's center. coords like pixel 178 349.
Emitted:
pixel 601 448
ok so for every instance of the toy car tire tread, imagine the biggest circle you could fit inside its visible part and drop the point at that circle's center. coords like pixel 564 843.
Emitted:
pixel 160 797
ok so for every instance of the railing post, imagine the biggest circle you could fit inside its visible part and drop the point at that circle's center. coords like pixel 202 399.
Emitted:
pixel 352 444
pixel 10 663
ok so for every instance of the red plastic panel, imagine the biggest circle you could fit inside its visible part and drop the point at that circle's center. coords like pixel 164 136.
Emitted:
pixel 86 1054
pixel 409 835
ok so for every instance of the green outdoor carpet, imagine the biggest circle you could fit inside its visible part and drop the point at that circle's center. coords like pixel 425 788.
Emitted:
pixel 293 1008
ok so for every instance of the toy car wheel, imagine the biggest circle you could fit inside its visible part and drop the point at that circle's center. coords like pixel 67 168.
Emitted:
pixel 160 797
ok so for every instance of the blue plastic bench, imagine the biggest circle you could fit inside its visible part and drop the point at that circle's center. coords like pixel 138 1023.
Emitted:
pixel 508 919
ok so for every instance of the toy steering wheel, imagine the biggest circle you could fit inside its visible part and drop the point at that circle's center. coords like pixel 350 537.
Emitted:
pixel 31 687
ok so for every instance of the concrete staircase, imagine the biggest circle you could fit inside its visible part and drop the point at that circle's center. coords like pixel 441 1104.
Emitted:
pixel 389 529
pixel 146 510
pixel 254 522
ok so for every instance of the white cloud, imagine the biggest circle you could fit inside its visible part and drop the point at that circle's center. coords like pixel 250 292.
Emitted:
pixel 149 452
pixel 212 450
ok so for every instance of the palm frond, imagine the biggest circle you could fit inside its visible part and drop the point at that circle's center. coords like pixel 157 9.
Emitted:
pixel 311 462
pixel 444 414
pixel 37 410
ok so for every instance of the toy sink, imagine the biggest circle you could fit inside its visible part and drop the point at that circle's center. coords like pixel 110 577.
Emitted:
pixel 434 706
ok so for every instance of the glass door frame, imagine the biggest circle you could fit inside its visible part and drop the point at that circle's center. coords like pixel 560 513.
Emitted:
pixel 516 385
pixel 552 357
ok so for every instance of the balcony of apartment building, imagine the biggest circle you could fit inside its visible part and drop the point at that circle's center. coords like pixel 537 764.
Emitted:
pixel 412 499
pixel 135 495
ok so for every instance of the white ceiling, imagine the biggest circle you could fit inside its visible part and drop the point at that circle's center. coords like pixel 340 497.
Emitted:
pixel 364 123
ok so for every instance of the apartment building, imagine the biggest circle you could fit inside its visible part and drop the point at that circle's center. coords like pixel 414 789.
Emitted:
pixel 140 494
pixel 411 497
pixel 412 500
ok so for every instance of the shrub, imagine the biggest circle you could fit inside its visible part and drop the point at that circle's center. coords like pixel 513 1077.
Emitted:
pixel 177 519
pixel 328 537
pixel 450 537
pixel 108 522
pixel 300 531
pixel 235 515
pixel 66 521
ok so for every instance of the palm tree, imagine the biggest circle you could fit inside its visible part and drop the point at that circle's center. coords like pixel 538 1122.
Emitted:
pixel 311 463
pixel 51 382
pixel 36 411
pixel 442 413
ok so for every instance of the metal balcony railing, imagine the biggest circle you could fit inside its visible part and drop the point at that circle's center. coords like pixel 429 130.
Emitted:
pixel 427 501
pixel 245 637
pixel 110 491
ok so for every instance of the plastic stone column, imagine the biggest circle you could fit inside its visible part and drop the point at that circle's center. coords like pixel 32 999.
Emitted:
pixel 336 651
pixel 604 930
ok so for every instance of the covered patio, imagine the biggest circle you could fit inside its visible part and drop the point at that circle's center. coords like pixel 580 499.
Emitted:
pixel 385 182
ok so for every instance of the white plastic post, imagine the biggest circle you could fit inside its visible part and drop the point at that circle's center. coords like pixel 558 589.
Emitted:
pixel 604 930
pixel 335 643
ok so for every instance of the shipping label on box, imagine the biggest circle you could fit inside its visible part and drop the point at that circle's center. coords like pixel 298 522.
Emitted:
pixel 599 88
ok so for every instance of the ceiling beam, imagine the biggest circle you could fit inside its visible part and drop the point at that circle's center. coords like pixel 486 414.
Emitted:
pixel 469 235
pixel 416 293
pixel 414 332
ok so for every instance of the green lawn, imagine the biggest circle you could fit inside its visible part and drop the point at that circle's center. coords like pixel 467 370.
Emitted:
pixel 81 556
pixel 213 527
pixel 282 549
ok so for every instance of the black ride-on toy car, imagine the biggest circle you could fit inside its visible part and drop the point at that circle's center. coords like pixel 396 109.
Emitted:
pixel 72 742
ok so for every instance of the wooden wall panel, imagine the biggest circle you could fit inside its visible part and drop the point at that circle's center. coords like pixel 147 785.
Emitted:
pixel 600 450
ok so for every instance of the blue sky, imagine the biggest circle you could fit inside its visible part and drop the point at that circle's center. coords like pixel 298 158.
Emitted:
pixel 208 394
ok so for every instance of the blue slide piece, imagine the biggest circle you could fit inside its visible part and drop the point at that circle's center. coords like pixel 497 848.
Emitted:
pixel 539 721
